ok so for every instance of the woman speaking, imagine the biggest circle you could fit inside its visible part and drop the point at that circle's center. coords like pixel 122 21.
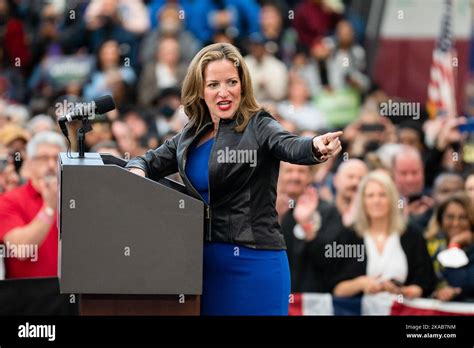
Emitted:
pixel 228 156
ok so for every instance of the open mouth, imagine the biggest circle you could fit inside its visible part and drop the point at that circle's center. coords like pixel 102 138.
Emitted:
pixel 224 105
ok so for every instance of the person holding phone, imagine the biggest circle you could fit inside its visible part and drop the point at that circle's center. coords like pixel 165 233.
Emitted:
pixel 451 229
pixel 245 266
pixel 409 176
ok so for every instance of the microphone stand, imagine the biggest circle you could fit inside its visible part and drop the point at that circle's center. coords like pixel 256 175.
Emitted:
pixel 81 136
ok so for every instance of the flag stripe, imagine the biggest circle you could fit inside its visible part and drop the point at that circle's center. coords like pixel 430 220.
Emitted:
pixel 377 304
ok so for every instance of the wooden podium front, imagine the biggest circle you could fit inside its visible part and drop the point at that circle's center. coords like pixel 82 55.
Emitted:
pixel 139 305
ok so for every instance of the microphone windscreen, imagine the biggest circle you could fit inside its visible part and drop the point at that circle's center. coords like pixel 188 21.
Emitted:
pixel 104 104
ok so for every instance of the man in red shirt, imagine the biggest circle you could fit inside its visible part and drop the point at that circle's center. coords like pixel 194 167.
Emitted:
pixel 28 227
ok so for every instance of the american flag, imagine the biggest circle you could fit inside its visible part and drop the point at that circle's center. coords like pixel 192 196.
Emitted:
pixel 382 303
pixel 441 88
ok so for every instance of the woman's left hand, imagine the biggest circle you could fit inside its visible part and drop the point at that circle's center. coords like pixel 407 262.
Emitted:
pixel 412 291
pixel 328 144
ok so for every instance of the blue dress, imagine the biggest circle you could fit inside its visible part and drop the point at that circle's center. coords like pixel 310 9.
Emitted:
pixel 238 280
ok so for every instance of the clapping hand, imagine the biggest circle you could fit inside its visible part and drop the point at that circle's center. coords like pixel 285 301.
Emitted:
pixel 306 205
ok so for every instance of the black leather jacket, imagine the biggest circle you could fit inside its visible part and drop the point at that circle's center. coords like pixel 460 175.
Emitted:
pixel 241 195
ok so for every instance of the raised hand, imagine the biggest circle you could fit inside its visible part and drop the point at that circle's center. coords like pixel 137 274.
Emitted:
pixel 306 205
pixel 449 132
pixel 48 187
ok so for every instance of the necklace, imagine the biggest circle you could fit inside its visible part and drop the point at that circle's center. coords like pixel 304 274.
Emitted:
pixel 380 237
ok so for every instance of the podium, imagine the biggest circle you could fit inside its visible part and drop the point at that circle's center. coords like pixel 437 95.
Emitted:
pixel 127 245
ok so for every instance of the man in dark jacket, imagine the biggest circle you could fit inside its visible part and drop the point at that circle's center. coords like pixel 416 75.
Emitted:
pixel 305 240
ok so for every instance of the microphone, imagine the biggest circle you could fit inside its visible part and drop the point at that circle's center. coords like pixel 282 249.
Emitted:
pixel 100 105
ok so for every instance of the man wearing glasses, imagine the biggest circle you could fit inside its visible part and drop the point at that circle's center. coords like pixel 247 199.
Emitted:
pixel 28 229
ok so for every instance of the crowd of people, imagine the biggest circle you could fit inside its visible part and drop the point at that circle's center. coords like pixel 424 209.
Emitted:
pixel 402 191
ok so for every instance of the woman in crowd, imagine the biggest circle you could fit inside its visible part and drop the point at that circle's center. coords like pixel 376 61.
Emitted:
pixel 389 256
pixel 451 227
pixel 111 74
